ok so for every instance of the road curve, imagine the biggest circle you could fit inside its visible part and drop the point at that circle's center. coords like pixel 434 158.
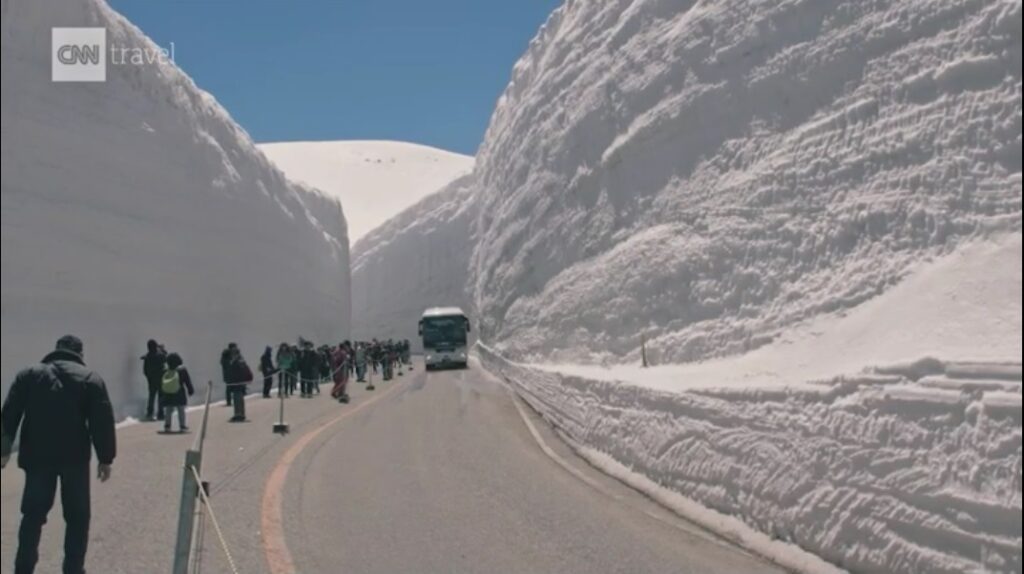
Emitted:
pixel 446 476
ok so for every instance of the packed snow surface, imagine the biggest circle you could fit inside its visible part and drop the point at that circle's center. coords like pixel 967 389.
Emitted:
pixel 375 180
pixel 965 306
pixel 137 208
pixel 708 174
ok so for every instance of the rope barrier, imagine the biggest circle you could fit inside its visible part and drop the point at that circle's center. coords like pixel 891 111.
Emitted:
pixel 213 519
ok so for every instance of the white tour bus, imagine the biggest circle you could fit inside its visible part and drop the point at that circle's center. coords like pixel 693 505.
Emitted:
pixel 445 332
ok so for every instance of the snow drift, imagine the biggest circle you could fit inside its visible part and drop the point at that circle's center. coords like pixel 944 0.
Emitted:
pixel 894 470
pixel 137 208
pixel 418 259
pixel 709 174
pixel 911 466
pixel 375 180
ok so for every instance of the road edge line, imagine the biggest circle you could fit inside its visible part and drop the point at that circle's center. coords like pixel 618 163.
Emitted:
pixel 275 546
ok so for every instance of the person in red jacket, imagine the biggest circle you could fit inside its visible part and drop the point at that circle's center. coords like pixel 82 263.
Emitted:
pixel 339 366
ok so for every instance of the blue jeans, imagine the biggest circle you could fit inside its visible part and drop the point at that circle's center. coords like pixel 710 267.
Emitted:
pixel 169 412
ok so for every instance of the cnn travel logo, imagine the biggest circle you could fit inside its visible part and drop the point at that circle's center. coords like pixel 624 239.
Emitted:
pixel 83 54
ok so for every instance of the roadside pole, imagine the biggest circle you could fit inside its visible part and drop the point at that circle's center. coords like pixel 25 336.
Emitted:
pixel 190 494
pixel 281 427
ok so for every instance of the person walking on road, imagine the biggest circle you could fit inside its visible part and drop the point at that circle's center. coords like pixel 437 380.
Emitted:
pixel 64 413
pixel 339 361
pixel 175 389
pixel 237 376
pixel 153 364
pixel 267 369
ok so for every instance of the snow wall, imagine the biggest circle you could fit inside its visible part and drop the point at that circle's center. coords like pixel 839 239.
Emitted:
pixel 137 208
pixel 910 468
pixel 418 259
pixel 706 174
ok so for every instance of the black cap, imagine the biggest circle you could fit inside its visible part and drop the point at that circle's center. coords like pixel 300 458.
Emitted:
pixel 71 343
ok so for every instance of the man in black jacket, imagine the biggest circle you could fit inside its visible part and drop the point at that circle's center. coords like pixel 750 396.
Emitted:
pixel 63 411
pixel 237 377
pixel 154 363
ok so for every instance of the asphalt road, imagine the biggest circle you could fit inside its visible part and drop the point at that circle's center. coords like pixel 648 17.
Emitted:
pixel 432 473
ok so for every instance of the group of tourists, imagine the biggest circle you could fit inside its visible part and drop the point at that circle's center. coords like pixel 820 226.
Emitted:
pixel 63 413
pixel 301 368
pixel 169 385
pixel 305 367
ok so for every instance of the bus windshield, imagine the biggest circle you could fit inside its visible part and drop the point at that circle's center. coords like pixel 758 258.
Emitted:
pixel 444 331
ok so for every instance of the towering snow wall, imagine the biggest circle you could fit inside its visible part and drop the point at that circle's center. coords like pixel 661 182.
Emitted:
pixel 416 260
pixel 137 208
pixel 708 173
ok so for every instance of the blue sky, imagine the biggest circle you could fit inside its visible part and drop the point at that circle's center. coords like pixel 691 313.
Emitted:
pixel 425 71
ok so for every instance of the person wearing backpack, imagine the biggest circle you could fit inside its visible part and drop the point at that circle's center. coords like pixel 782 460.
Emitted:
pixel 175 389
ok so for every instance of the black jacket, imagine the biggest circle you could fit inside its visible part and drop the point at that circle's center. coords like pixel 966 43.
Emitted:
pixel 237 371
pixel 153 365
pixel 180 398
pixel 267 365
pixel 309 364
pixel 63 411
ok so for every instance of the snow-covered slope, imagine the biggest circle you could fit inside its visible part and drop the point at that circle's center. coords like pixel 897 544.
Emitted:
pixel 418 259
pixel 137 208
pixel 710 173
pixel 374 179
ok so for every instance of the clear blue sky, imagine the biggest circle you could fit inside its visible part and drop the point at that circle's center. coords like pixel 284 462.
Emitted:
pixel 425 71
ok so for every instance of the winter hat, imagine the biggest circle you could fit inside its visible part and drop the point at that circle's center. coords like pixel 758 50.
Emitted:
pixel 70 343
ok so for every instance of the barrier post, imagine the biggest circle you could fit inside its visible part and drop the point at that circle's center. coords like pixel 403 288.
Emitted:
pixel 281 427
pixel 643 350
pixel 190 494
